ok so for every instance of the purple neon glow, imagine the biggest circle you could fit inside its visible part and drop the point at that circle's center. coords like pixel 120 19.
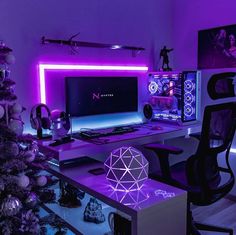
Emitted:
pixel 127 169
pixel 44 67
pixel 133 199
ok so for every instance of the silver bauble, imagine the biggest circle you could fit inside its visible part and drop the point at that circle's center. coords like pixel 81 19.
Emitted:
pixel 23 181
pixel 16 108
pixel 41 180
pixel 10 206
pixel 17 126
pixel 10 59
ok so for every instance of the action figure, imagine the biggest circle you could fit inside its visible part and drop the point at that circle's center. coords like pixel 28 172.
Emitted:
pixel 164 53
pixel 70 196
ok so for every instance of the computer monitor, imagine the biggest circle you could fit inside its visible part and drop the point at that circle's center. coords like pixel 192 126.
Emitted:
pixel 101 95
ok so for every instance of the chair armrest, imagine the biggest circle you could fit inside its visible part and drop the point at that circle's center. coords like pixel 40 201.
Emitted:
pixel 164 149
pixel 196 135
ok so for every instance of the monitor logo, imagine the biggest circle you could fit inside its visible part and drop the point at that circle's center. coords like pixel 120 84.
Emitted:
pixel 98 96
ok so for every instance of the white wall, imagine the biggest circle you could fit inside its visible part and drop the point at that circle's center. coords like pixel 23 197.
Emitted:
pixel 134 22
pixel 188 18
pixel 191 16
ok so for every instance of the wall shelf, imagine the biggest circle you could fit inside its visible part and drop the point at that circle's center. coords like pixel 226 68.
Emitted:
pixel 72 43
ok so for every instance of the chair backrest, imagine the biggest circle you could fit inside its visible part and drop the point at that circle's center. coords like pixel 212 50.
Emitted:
pixel 203 171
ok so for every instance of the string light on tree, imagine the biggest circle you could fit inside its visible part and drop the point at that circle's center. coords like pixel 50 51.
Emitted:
pixel 20 162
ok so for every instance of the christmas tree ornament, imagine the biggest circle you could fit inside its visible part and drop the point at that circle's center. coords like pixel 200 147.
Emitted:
pixel 16 126
pixel 16 108
pixel 41 180
pixel 10 206
pixel 10 59
pixel 23 181
pixel 2 111
pixel 29 156
pixel 31 200
pixel 18 173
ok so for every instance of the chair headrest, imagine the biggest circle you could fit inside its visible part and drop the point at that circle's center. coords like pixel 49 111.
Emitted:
pixel 222 85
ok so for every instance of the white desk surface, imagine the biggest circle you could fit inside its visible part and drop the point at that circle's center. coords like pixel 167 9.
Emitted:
pixel 146 133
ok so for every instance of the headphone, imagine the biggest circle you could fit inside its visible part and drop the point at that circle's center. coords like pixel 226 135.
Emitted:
pixel 38 122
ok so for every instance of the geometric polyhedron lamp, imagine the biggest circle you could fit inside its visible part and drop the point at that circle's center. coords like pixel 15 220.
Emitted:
pixel 126 169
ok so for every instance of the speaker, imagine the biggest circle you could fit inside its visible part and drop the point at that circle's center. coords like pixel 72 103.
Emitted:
pixel 147 111
pixel 38 122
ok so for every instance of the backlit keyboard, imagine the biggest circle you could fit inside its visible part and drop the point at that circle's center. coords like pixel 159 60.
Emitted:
pixel 92 134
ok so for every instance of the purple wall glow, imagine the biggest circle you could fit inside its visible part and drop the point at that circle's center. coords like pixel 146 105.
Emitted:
pixel 43 68
pixel 191 16
pixel 133 22
pixel 51 90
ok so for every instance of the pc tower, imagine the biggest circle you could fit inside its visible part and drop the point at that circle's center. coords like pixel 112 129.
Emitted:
pixel 174 95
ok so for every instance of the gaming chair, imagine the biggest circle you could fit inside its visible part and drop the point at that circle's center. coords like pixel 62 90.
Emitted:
pixel 200 175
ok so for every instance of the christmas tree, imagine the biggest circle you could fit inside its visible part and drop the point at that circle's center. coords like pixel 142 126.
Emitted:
pixel 22 183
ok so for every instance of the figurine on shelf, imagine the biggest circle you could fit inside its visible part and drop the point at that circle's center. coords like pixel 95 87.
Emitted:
pixel 56 223
pixel 93 212
pixel 70 196
pixel 164 53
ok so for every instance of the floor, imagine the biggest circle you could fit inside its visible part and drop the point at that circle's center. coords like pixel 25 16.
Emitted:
pixel 222 213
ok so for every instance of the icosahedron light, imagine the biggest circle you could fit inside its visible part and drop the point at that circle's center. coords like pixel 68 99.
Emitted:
pixel 126 169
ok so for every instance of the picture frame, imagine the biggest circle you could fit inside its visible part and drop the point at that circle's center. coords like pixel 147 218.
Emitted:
pixel 217 47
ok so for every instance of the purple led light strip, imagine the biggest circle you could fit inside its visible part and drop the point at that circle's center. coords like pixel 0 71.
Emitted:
pixel 44 67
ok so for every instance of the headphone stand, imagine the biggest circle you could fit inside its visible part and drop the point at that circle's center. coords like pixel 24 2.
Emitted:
pixel 43 136
pixel 64 140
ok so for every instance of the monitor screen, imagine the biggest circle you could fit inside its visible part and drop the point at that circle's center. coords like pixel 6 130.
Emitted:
pixel 101 95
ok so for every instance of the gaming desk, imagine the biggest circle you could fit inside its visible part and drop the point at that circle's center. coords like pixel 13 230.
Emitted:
pixel 156 208
pixel 101 148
